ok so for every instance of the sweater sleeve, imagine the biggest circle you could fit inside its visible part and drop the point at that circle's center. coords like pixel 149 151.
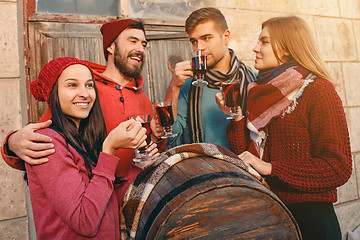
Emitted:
pixel 9 157
pixel 80 205
pixel 237 135
pixel 330 163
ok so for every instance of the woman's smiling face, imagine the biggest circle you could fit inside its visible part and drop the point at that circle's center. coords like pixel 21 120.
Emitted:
pixel 76 92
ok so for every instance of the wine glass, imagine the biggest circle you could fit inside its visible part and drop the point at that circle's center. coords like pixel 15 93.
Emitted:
pixel 232 97
pixel 141 154
pixel 164 110
pixel 198 63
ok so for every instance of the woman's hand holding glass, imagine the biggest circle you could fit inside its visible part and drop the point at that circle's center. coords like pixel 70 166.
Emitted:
pixel 128 134
pixel 153 152
pixel 141 154
pixel 220 101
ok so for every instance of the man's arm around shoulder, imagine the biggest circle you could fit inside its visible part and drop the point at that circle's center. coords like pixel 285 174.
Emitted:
pixel 27 145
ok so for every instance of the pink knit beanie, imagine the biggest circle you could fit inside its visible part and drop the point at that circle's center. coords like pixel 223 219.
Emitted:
pixel 111 30
pixel 48 76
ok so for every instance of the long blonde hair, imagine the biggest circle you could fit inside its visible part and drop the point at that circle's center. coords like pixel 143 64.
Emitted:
pixel 291 35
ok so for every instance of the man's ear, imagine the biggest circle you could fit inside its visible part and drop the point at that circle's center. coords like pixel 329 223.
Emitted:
pixel 226 35
pixel 111 48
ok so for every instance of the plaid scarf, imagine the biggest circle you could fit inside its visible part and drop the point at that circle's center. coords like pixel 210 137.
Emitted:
pixel 140 189
pixel 238 70
pixel 275 98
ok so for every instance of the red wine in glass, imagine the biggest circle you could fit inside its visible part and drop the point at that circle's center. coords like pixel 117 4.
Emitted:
pixel 198 64
pixel 164 110
pixel 145 122
pixel 232 97
pixel 146 125
pixel 166 115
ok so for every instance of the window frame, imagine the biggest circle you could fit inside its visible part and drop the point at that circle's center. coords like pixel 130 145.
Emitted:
pixel 30 14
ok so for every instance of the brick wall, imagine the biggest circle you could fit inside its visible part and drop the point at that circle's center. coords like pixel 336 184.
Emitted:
pixel 13 214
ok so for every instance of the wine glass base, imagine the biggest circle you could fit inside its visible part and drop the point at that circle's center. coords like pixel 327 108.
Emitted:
pixel 169 135
pixel 199 83
pixel 235 116
pixel 141 159
pixel 141 156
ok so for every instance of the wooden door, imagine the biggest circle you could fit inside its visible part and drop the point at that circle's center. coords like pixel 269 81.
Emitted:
pixel 49 40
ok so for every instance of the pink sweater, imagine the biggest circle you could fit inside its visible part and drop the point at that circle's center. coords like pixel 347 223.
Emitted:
pixel 66 204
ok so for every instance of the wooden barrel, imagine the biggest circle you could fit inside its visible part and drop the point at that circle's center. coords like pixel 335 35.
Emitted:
pixel 208 198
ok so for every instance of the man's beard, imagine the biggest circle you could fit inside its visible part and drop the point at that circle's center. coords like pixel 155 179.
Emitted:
pixel 121 62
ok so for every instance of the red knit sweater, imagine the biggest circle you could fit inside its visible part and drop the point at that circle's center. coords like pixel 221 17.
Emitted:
pixel 309 149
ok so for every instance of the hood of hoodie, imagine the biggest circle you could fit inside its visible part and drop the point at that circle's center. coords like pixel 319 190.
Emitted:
pixel 135 84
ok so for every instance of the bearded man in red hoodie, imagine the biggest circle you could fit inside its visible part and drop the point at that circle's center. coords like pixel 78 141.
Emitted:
pixel 119 86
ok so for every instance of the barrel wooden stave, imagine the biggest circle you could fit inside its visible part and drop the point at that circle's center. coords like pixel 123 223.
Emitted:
pixel 220 208
pixel 228 219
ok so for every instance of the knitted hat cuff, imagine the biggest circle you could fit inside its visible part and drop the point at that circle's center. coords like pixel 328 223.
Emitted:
pixel 49 74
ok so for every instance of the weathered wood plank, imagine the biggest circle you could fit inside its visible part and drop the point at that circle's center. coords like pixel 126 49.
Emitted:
pixel 157 74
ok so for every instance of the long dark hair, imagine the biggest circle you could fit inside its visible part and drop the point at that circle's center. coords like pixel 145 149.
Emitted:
pixel 88 139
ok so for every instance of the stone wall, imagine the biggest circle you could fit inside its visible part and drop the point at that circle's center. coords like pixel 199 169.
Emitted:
pixel 336 27
pixel 13 213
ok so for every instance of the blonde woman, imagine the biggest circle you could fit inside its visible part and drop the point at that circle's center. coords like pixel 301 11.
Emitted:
pixel 295 132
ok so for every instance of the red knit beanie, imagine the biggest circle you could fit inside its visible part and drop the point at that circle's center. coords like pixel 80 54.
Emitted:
pixel 111 30
pixel 48 76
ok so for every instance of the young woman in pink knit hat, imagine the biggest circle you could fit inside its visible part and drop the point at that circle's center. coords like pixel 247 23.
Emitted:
pixel 295 132
pixel 73 194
